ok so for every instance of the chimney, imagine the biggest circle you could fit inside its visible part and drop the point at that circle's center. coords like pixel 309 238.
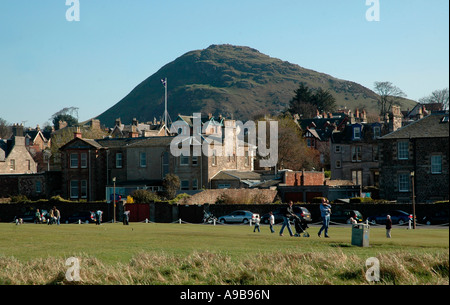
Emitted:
pixel 17 130
pixel 395 119
pixel 118 122
pixel 135 122
pixel 134 133
pixel 77 134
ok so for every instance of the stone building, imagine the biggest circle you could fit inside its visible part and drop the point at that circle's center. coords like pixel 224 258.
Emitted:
pixel 14 156
pixel 414 160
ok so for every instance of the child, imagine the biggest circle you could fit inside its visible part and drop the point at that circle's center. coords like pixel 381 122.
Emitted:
pixel 388 226
pixel 271 222
pixel 257 225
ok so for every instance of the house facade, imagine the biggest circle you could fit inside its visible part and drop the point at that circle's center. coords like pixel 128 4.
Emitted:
pixel 14 156
pixel 354 151
pixel 89 166
pixel 414 161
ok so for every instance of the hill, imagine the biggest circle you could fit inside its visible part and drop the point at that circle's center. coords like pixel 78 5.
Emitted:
pixel 233 81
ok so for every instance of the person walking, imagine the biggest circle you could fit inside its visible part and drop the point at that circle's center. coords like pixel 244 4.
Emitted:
pixel 271 221
pixel 388 226
pixel 126 217
pixel 99 217
pixel 51 217
pixel 325 212
pixel 37 217
pixel 257 221
pixel 286 217
pixel 57 214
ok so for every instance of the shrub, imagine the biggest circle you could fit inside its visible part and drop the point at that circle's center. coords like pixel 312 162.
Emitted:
pixel 20 199
pixel 361 200
pixel 144 196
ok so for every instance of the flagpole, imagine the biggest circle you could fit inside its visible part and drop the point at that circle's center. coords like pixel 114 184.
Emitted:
pixel 165 112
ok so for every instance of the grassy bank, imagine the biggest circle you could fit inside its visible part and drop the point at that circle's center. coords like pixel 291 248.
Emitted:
pixel 198 254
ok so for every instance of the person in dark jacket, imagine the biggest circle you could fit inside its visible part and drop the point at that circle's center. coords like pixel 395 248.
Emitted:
pixel 286 217
pixel 388 226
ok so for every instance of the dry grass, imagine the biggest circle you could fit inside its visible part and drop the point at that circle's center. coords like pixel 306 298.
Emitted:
pixel 206 268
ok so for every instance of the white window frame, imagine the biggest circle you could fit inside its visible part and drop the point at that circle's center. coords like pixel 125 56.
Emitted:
pixel 84 189
pixel 184 160
pixel 376 132
pixel 338 164
pixel 83 160
pixel 119 160
pixel 74 160
pixel 74 191
pixel 402 151
pixel 357 135
pixel 356 153
pixel 337 149
pixel 403 182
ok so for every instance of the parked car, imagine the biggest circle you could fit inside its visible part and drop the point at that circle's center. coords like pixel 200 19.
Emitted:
pixel 397 217
pixel 83 216
pixel 239 216
pixel 30 216
pixel 343 215
pixel 437 218
pixel 278 213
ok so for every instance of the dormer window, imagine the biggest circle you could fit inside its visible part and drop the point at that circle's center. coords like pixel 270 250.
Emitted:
pixel 376 132
pixel 357 132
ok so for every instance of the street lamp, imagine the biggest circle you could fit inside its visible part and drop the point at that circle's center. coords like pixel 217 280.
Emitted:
pixel 413 200
pixel 114 198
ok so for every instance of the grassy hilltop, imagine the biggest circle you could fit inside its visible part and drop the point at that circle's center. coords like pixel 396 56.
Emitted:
pixel 234 81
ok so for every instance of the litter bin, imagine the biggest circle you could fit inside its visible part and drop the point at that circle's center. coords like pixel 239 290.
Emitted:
pixel 360 235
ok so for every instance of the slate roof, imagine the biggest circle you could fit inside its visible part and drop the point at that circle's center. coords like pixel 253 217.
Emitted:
pixel 431 126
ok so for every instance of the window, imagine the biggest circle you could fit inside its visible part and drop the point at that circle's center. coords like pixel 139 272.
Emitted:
pixel 357 133
pixel 195 184
pixel 73 160
pixel 119 160
pixel 165 164
pixel 403 150
pixel 436 164
pixel 224 186
pixel 29 165
pixel 356 153
pixel 143 160
pixel 12 164
pixel 403 182
pixel 74 189
pixel 214 158
pixel 185 185
pixel 357 177
pixel 247 159
pixel 83 188
pixel 376 132
pixel 338 164
pixel 194 160
pixel 38 187
pixel 184 160
pixel 337 149
pixel 375 152
pixel 83 160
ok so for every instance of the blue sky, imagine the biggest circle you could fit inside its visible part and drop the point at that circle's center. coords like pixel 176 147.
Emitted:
pixel 48 63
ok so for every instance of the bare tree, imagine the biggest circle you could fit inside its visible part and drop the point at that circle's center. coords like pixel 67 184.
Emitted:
pixel 389 95
pixel 437 96
pixel 5 131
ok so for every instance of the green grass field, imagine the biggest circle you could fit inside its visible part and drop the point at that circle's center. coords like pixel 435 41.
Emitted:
pixel 205 254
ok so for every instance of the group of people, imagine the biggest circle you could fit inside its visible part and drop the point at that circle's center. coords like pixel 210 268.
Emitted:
pixel 52 217
pixel 325 213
